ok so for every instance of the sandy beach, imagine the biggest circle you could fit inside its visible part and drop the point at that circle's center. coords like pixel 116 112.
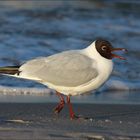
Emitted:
pixel 37 121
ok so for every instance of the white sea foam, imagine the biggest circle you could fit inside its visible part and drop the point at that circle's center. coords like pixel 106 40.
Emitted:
pixel 24 91
pixel 119 85
pixel 111 85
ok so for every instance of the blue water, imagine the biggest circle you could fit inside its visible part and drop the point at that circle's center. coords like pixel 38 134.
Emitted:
pixel 42 28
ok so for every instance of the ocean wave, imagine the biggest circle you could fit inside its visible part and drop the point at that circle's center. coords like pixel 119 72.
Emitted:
pixel 120 85
pixel 111 85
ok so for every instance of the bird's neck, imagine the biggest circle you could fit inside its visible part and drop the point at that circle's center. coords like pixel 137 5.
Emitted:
pixel 101 62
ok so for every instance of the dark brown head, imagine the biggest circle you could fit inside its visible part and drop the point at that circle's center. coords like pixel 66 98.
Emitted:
pixel 105 49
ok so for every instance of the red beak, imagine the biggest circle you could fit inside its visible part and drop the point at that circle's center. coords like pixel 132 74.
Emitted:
pixel 117 56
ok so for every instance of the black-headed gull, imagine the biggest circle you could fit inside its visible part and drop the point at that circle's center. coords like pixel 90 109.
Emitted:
pixel 71 72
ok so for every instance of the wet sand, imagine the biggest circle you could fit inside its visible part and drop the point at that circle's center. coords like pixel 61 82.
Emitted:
pixel 38 122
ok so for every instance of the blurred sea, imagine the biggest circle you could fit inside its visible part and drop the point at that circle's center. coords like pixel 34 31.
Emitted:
pixel 30 29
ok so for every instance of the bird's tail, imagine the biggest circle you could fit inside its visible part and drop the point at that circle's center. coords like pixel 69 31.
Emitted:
pixel 10 70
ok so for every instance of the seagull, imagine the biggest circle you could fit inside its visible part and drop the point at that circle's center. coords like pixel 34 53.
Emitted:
pixel 70 73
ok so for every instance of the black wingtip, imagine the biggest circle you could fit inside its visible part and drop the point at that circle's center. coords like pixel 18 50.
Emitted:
pixel 12 70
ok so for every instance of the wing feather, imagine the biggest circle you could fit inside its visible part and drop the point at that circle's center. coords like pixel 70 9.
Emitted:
pixel 67 69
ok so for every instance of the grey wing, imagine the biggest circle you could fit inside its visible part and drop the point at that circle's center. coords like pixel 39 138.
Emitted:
pixel 67 69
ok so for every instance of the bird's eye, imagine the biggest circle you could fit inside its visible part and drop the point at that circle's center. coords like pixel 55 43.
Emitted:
pixel 103 48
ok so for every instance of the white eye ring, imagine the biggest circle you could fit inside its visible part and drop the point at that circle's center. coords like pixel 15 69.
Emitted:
pixel 103 48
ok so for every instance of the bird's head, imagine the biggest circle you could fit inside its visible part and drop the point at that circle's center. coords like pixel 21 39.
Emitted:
pixel 106 50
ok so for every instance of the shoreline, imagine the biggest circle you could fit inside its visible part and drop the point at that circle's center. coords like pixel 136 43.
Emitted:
pixel 37 121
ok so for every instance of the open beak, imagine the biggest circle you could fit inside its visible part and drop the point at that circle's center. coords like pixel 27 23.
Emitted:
pixel 117 56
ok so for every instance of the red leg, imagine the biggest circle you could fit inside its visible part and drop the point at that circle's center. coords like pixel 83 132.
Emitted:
pixel 72 114
pixel 60 106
